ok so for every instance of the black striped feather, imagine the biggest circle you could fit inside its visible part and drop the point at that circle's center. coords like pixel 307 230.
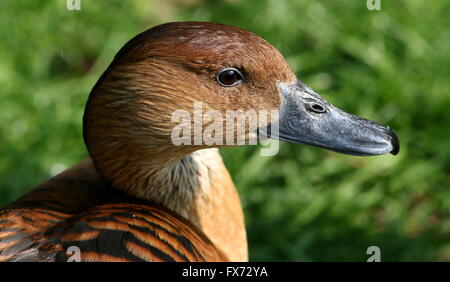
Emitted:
pixel 106 232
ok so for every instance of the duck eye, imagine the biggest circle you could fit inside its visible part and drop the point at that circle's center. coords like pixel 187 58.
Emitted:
pixel 229 77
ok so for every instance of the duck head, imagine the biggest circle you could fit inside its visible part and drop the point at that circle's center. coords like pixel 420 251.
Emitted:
pixel 129 115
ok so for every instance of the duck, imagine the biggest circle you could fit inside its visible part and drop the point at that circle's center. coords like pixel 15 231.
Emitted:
pixel 138 196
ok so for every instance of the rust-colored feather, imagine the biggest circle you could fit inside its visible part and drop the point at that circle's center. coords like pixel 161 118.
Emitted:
pixel 139 197
pixel 106 227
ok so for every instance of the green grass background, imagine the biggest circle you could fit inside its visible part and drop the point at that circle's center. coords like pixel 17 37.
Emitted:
pixel 305 203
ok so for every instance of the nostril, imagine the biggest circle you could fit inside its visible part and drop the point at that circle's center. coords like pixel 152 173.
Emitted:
pixel 316 108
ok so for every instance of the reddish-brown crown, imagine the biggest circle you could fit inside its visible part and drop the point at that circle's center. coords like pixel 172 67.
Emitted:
pixel 168 68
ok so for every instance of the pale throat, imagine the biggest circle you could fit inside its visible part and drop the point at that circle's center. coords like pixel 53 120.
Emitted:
pixel 198 187
pixel 177 183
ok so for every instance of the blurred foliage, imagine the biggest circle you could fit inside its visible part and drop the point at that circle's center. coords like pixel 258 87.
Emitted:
pixel 305 203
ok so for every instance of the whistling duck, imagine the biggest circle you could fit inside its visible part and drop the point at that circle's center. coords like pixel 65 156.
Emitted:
pixel 139 197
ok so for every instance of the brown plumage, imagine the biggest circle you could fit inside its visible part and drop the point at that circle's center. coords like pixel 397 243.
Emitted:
pixel 182 199
pixel 138 196
pixel 78 208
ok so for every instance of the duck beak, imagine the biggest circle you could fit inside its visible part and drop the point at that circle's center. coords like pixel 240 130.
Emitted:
pixel 307 118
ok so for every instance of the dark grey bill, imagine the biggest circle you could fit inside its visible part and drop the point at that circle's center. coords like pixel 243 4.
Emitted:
pixel 307 118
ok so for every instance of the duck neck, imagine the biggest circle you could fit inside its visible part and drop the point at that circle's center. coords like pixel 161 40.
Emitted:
pixel 198 187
